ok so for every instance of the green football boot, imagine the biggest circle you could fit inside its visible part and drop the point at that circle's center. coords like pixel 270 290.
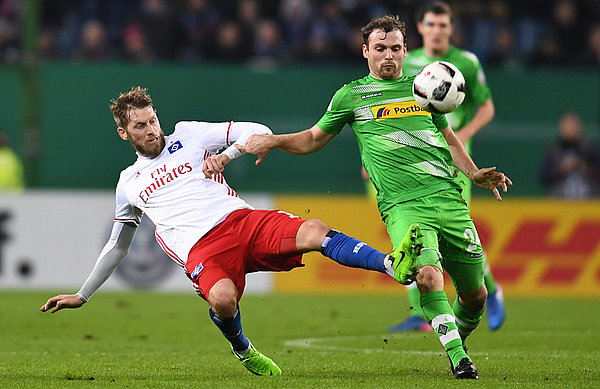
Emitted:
pixel 258 364
pixel 405 255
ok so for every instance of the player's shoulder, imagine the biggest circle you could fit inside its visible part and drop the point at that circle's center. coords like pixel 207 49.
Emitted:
pixel 362 85
pixel 128 173
pixel 346 90
pixel 464 55
pixel 409 77
pixel 195 131
pixel 366 80
pixel 185 126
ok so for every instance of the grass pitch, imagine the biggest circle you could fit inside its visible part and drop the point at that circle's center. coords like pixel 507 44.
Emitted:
pixel 151 340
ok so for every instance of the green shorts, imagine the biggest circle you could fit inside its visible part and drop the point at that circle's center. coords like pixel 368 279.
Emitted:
pixel 450 242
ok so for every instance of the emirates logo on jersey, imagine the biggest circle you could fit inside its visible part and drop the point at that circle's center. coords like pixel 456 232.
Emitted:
pixel 163 177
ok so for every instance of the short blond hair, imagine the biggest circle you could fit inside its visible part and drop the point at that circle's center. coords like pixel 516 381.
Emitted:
pixel 137 97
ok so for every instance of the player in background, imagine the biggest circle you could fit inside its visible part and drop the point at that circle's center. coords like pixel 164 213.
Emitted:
pixel 435 25
pixel 408 154
pixel 202 224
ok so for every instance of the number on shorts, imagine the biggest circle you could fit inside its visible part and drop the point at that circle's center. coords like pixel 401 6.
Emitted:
pixel 472 237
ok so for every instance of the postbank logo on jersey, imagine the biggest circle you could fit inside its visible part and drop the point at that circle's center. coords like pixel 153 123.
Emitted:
pixel 398 110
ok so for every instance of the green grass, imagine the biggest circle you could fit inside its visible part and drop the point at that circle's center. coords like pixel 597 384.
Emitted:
pixel 151 340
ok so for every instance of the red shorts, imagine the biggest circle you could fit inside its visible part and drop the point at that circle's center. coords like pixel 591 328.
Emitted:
pixel 246 241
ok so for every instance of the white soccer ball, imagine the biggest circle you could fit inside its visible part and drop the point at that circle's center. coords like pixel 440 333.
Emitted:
pixel 439 87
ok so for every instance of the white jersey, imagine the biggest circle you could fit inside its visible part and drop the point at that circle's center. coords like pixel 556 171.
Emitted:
pixel 174 193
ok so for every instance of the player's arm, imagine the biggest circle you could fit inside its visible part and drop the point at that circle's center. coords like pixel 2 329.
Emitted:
pixel 299 143
pixel 109 259
pixel 485 113
pixel 339 112
pixel 238 133
pixel 486 178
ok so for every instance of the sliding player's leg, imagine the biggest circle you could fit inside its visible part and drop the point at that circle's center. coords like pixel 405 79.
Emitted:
pixel 225 313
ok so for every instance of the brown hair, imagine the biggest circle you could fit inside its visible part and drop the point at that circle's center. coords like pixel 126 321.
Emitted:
pixel 437 8
pixel 137 97
pixel 386 23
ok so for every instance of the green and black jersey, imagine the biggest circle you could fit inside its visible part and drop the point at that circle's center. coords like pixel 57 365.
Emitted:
pixel 401 146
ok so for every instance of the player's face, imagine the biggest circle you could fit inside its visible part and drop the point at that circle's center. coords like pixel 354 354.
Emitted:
pixel 385 54
pixel 144 132
pixel 436 31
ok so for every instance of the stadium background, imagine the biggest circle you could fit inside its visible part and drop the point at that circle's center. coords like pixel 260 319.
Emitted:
pixel 55 100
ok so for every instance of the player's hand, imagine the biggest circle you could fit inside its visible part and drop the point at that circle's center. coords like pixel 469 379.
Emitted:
pixel 214 164
pixel 489 178
pixel 259 145
pixel 62 301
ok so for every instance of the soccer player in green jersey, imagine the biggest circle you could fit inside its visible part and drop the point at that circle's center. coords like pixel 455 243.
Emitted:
pixel 435 25
pixel 409 154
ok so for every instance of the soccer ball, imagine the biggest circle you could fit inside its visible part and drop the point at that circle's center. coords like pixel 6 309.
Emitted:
pixel 439 87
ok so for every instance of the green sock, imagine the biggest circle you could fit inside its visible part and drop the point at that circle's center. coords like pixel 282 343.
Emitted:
pixel 414 299
pixel 466 320
pixel 488 278
pixel 438 312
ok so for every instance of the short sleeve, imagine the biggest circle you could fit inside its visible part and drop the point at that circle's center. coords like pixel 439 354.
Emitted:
pixel 439 120
pixel 209 136
pixel 339 112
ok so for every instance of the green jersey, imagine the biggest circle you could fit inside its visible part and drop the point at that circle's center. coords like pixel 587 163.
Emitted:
pixel 400 145
pixel 477 91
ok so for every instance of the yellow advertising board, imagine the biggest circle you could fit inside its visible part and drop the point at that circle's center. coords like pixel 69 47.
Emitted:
pixel 536 247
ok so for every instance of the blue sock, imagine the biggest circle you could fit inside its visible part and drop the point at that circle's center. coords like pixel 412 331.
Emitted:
pixel 232 329
pixel 352 252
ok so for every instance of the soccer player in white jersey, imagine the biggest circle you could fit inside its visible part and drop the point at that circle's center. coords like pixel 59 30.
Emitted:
pixel 202 224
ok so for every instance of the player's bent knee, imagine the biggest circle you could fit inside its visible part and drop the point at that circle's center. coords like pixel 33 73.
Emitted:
pixel 474 300
pixel 222 298
pixel 429 279
pixel 224 306
pixel 310 235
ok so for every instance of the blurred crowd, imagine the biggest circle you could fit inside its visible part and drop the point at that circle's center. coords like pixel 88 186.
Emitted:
pixel 507 33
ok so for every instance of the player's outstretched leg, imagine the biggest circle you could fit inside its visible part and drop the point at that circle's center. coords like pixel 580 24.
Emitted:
pixel 351 252
pixel 241 347
pixel 401 264
pixel 405 255
pixel 258 363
